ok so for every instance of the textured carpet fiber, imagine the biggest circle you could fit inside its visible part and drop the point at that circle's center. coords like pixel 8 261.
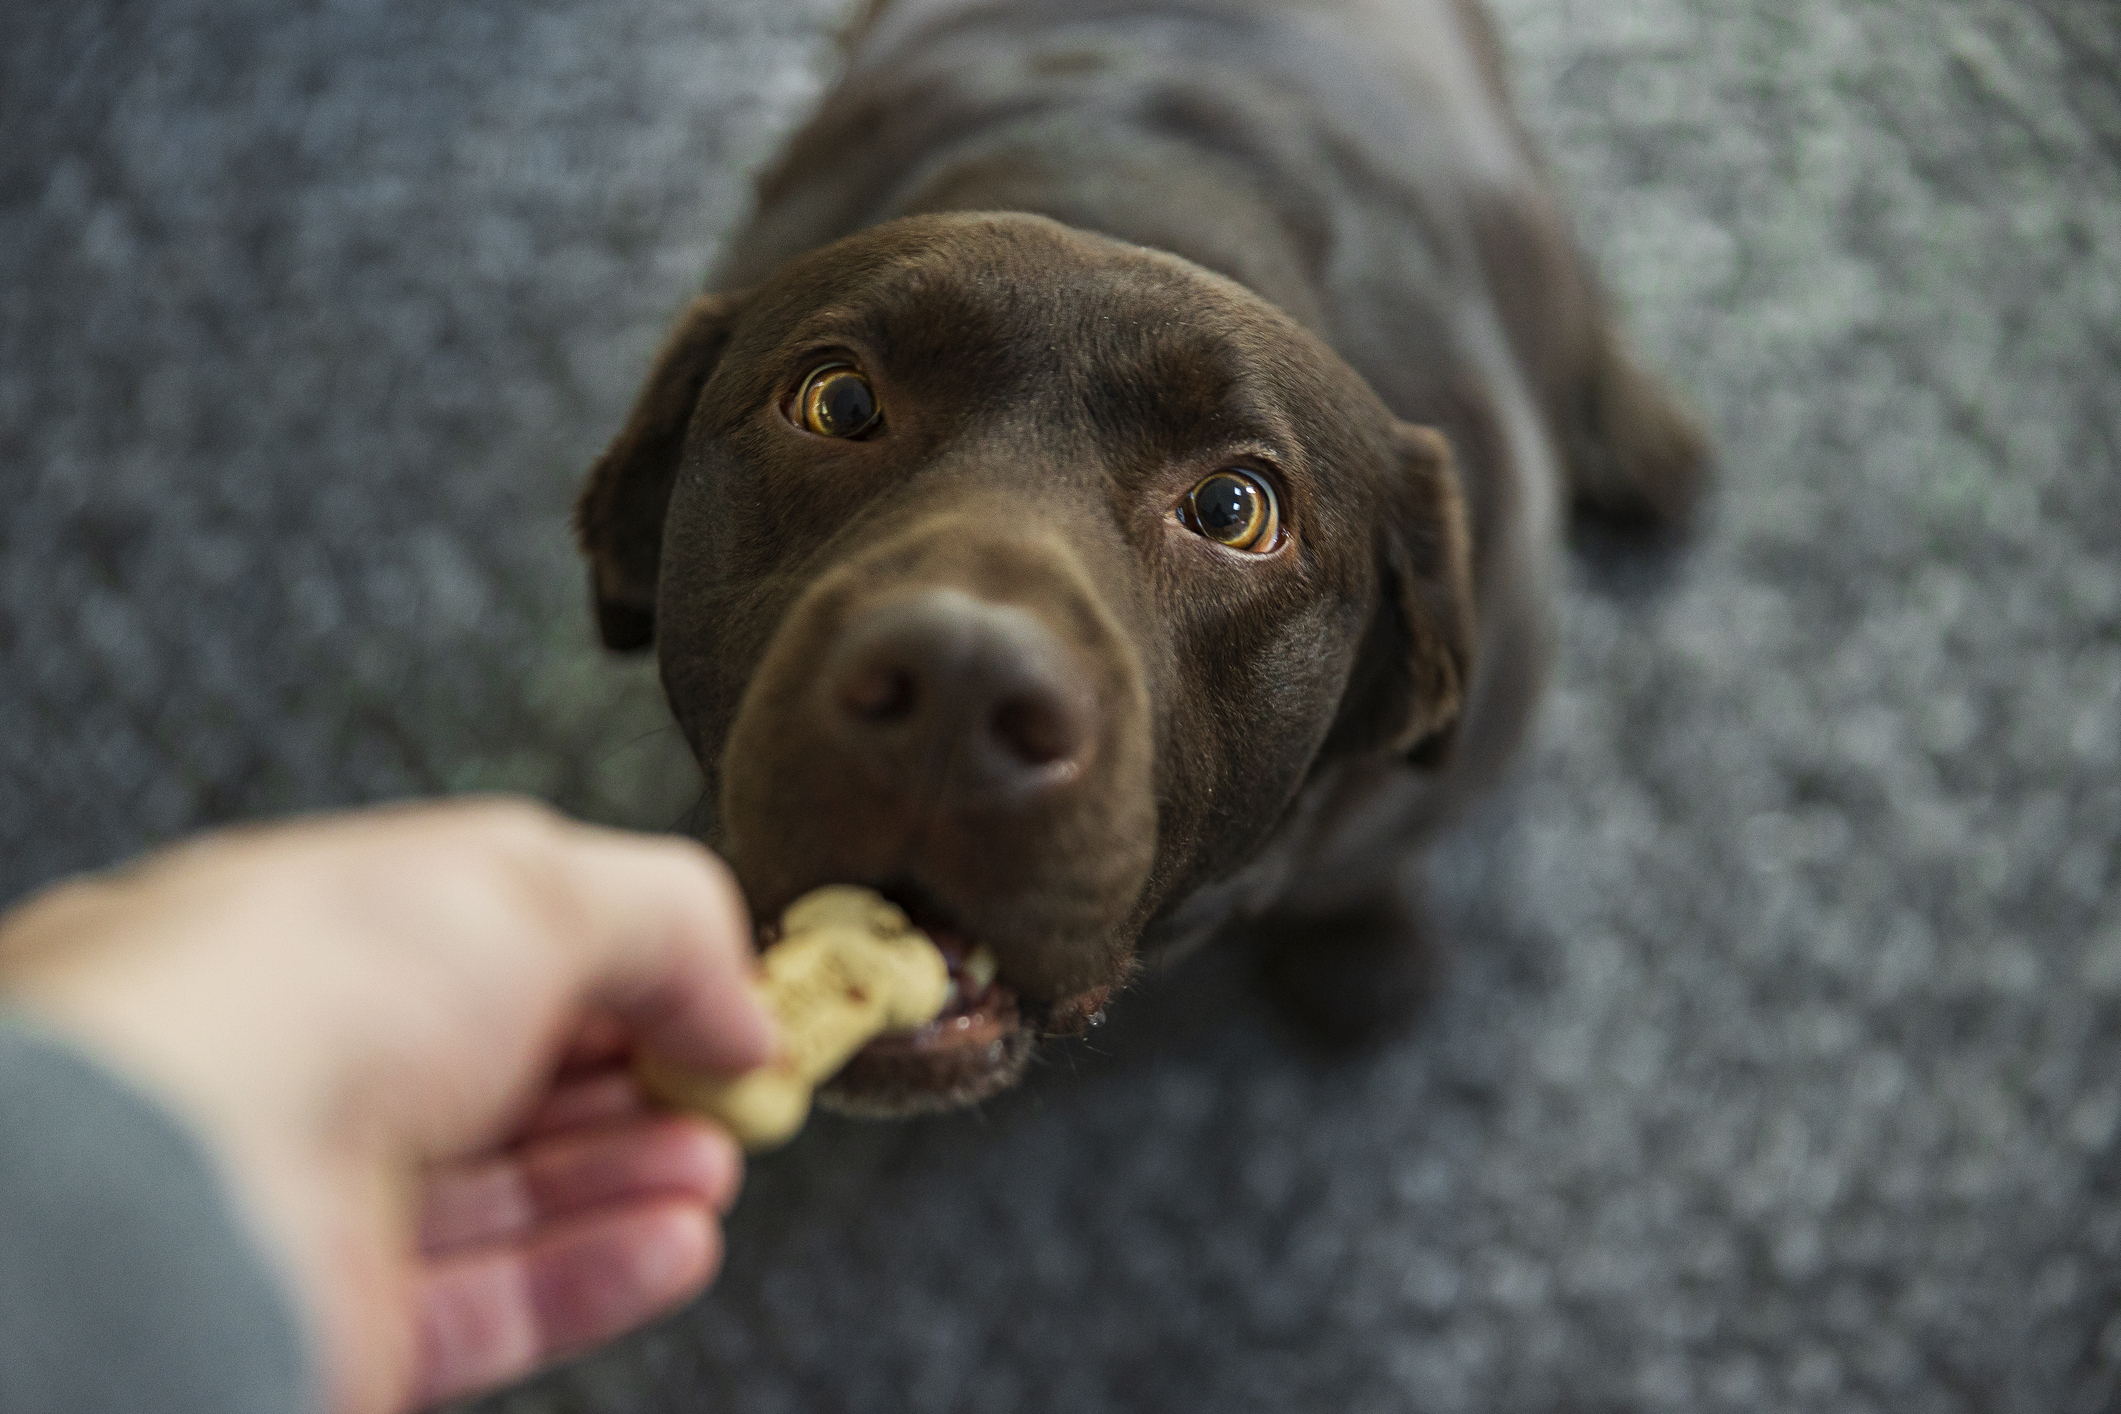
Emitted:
pixel 1781 1068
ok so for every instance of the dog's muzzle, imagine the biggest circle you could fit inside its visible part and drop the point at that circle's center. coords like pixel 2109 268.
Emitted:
pixel 956 721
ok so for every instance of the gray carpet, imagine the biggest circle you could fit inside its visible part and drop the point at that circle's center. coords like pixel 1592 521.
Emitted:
pixel 1781 1069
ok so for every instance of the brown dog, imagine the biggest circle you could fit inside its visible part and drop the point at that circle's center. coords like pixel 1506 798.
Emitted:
pixel 1114 494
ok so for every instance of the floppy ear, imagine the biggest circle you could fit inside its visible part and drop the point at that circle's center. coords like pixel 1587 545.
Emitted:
pixel 1415 665
pixel 619 518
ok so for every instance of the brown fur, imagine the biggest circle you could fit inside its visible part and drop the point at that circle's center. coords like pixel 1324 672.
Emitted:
pixel 1081 279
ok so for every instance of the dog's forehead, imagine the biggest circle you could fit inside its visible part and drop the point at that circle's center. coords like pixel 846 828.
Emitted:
pixel 1012 298
pixel 1038 277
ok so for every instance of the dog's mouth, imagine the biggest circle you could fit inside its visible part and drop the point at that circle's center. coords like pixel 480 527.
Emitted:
pixel 977 1046
pixel 982 1010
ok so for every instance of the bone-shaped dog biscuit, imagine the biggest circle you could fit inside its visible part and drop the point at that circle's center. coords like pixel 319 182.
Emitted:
pixel 848 968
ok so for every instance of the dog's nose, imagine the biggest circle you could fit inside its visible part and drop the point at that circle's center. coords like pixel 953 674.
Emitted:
pixel 960 701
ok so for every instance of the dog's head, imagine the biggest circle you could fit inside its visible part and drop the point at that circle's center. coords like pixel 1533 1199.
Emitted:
pixel 1024 575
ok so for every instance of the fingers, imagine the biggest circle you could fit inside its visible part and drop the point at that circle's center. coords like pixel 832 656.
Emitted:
pixel 569 1242
pixel 511 1196
pixel 488 1319
pixel 585 1101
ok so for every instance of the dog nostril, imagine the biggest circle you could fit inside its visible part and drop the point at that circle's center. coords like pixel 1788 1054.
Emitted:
pixel 1036 730
pixel 957 702
pixel 880 695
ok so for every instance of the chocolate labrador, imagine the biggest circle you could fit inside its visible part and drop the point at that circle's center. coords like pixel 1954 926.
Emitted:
pixel 1113 495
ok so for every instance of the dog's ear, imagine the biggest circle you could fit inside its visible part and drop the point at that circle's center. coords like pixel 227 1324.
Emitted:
pixel 619 518
pixel 1415 665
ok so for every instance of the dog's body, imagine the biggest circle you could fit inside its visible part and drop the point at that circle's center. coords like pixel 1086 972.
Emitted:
pixel 1263 734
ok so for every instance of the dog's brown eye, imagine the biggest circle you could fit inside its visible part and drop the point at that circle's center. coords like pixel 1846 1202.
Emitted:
pixel 836 401
pixel 1233 508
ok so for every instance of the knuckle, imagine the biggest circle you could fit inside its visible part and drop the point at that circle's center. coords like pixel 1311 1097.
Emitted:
pixel 688 853
pixel 514 819
pixel 703 865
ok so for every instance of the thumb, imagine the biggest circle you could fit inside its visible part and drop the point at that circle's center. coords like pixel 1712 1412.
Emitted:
pixel 665 942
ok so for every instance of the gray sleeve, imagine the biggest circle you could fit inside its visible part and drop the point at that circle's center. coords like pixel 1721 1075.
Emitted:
pixel 127 1280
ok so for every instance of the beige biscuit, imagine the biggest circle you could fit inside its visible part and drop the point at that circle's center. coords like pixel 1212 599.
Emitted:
pixel 848 968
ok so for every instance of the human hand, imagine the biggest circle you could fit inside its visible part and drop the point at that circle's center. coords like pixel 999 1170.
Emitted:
pixel 399 1032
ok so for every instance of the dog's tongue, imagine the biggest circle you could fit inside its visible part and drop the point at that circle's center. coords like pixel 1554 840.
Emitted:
pixel 972 971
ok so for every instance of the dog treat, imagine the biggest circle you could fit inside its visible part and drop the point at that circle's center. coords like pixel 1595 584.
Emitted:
pixel 848 968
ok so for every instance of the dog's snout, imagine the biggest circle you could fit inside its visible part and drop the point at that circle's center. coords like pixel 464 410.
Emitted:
pixel 959 700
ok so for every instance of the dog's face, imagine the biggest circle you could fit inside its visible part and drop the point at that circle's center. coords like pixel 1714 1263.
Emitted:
pixel 1025 576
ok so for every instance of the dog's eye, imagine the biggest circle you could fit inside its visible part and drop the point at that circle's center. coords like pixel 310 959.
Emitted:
pixel 836 401
pixel 1233 508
